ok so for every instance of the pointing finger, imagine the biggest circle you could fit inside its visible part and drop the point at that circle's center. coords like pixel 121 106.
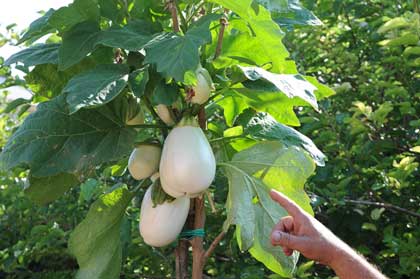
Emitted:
pixel 291 207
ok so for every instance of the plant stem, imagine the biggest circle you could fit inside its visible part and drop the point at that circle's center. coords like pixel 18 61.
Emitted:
pixel 172 8
pixel 384 205
pixel 213 246
pixel 197 241
pixel 223 23
pixel 416 6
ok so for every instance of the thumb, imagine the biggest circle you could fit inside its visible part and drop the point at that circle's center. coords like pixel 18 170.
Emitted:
pixel 286 240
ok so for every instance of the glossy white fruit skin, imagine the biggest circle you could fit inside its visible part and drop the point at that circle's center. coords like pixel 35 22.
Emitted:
pixel 201 91
pixel 188 165
pixel 164 114
pixel 161 225
pixel 144 161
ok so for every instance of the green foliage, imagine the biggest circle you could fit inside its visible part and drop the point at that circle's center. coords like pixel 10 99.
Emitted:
pixel 107 59
pixel 369 130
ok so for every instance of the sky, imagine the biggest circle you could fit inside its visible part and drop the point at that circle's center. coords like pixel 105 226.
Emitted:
pixel 22 12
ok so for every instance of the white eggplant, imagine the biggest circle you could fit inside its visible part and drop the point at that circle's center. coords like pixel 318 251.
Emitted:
pixel 161 225
pixel 136 120
pixel 203 88
pixel 144 161
pixel 187 166
pixel 165 115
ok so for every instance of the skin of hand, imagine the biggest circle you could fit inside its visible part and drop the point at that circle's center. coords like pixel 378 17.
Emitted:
pixel 302 232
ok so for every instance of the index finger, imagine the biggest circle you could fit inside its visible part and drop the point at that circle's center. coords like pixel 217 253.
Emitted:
pixel 291 207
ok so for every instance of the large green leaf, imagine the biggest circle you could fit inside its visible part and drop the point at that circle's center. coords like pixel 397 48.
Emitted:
pixel 174 54
pixel 289 12
pixel 80 10
pixel 77 43
pixel 38 28
pixel 36 55
pixel 266 31
pixel 112 9
pixel 290 85
pixel 165 94
pixel 47 81
pixel 277 105
pixel 96 87
pixel 43 190
pixel 133 36
pixel 95 242
pixel 138 81
pixel 264 127
pixel 52 141
pixel 252 173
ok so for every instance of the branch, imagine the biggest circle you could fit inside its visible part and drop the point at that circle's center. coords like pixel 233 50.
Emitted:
pixel 211 202
pixel 385 205
pixel 172 8
pixel 213 246
pixel 223 23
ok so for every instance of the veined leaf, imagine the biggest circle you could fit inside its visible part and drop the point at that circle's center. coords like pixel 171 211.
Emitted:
pixel 38 28
pixel 294 14
pixel 277 105
pixel 138 81
pixel 80 10
pixel 77 43
pixel 96 87
pixel 254 171
pixel 290 85
pixel 95 242
pixel 174 55
pixel 263 126
pixel 133 36
pixel 52 141
pixel 266 31
pixel 43 190
pixel 36 55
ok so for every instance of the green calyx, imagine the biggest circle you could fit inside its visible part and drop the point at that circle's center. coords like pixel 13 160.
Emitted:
pixel 188 120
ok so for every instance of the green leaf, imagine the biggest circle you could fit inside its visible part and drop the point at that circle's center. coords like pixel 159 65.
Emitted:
pixel 290 85
pixel 252 173
pixel 395 23
pixel 35 55
pixel 95 242
pixel 133 36
pixel 47 81
pixel 322 91
pixel 415 149
pixel 277 105
pixel 52 141
pixel 112 9
pixel 266 31
pixel 165 94
pixel 232 106
pixel 43 190
pixel 87 189
pixel 138 81
pixel 174 54
pixel 38 28
pixel 96 87
pixel 14 104
pixel 294 14
pixel 264 127
pixel 80 10
pixel 77 43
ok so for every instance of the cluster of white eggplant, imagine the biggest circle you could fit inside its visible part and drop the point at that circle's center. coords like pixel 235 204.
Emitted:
pixel 186 167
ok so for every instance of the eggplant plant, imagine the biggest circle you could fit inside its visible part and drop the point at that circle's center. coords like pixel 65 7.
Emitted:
pixel 210 81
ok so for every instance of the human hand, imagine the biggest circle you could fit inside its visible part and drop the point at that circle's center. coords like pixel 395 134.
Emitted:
pixel 302 232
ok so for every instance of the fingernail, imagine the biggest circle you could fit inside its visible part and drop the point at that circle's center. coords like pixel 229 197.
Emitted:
pixel 276 236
